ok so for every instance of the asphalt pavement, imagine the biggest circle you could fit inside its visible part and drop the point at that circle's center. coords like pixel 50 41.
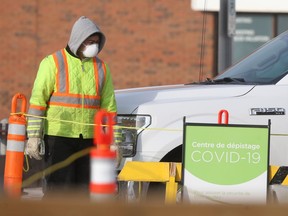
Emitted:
pixel 277 194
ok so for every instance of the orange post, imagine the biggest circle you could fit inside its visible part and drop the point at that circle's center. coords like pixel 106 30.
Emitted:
pixel 103 160
pixel 220 114
pixel 103 132
pixel 15 149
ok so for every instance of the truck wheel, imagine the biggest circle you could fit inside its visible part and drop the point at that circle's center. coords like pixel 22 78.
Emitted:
pixel 173 156
pixel 156 190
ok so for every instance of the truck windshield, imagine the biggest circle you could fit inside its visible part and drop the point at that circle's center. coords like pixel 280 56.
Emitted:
pixel 267 65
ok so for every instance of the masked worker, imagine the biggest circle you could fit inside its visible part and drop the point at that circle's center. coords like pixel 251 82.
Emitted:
pixel 71 85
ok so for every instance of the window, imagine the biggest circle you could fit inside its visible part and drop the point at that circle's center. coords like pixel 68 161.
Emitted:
pixel 253 30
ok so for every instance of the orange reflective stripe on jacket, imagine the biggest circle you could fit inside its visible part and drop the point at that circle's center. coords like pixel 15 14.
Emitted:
pixel 62 97
pixel 75 100
pixel 62 79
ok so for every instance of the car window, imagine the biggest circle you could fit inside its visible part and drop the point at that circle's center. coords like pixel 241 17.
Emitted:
pixel 266 65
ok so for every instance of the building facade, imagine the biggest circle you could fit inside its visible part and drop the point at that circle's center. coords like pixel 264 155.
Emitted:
pixel 149 42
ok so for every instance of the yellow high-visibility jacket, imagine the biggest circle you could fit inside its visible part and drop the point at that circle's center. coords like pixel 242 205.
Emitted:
pixel 69 92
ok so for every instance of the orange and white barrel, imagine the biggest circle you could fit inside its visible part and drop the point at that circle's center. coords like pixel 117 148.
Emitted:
pixel 103 159
pixel 102 174
pixel 15 149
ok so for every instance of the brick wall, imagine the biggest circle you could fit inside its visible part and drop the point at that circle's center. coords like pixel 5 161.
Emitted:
pixel 149 42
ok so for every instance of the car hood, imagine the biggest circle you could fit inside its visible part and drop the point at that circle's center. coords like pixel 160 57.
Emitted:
pixel 128 100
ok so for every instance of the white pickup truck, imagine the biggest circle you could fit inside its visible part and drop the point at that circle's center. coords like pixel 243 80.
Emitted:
pixel 252 91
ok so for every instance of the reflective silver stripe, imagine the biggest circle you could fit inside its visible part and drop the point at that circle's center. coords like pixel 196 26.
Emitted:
pixel 74 101
pixel 35 121
pixel 16 129
pixel 36 112
pixel 13 145
pixel 101 74
pixel 34 133
pixel 61 72
pixel 34 125
pixel 34 130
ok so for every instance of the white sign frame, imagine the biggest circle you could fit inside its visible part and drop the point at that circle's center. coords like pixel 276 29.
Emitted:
pixel 257 6
pixel 209 172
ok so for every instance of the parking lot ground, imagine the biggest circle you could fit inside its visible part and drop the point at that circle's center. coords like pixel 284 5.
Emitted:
pixel 278 194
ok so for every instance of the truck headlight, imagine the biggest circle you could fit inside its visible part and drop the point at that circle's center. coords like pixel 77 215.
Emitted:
pixel 130 126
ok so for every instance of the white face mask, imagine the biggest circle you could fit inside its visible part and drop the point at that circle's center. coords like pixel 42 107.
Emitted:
pixel 91 50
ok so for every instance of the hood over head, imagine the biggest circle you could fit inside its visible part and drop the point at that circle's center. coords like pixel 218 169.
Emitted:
pixel 81 30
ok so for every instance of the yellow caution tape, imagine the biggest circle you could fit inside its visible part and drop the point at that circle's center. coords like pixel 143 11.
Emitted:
pixel 55 167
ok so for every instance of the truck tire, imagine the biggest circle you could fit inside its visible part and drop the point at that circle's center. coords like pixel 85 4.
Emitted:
pixel 157 190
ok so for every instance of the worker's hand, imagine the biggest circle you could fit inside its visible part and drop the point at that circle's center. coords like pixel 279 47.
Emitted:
pixel 33 148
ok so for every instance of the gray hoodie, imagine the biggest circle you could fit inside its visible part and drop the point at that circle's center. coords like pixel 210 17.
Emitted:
pixel 81 30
